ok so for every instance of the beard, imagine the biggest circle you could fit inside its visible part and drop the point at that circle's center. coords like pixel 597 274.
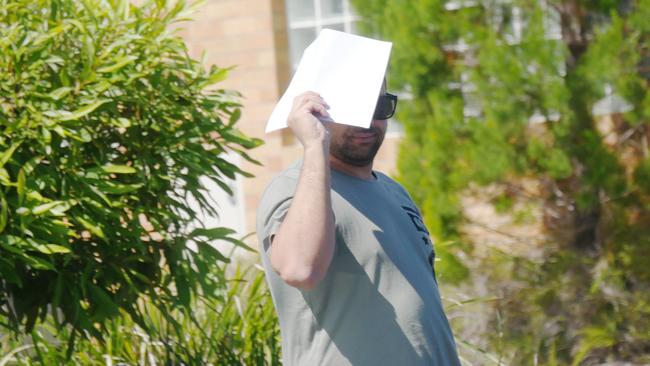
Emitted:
pixel 347 150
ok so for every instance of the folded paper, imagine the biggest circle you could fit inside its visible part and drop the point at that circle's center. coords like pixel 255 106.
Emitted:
pixel 346 70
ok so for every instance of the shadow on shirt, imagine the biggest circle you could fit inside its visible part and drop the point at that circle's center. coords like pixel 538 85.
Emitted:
pixel 365 330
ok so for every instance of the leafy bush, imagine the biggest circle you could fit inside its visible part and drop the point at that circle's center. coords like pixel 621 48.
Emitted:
pixel 105 128
pixel 238 327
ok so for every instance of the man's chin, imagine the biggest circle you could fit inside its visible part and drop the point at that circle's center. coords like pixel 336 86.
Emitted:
pixel 356 154
pixel 357 159
pixel 358 163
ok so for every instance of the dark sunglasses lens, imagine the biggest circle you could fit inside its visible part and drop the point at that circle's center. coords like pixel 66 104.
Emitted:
pixel 385 108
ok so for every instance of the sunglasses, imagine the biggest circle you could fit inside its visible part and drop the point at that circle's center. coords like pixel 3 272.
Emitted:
pixel 386 105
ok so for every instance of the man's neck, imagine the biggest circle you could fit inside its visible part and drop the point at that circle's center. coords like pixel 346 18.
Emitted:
pixel 362 172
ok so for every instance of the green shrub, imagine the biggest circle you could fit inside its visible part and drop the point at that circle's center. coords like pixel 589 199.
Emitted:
pixel 238 327
pixel 105 128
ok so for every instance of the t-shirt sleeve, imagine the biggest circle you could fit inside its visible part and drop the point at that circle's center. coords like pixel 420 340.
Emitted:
pixel 274 221
pixel 273 208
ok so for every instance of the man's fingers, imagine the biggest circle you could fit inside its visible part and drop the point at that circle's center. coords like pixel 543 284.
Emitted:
pixel 306 97
pixel 312 106
pixel 309 99
pixel 307 94
pixel 308 115
pixel 307 112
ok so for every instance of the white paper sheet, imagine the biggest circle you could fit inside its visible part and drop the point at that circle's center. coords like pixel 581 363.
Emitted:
pixel 346 70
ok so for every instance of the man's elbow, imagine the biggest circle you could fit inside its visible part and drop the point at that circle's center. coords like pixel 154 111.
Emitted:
pixel 301 277
pixel 299 270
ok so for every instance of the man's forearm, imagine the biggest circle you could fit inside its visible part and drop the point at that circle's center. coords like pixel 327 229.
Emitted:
pixel 302 250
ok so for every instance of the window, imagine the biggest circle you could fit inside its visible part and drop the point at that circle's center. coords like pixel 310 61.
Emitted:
pixel 307 18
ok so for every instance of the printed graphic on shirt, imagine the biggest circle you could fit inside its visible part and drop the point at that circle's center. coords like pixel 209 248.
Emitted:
pixel 426 239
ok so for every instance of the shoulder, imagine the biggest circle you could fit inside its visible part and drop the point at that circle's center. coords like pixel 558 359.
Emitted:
pixel 396 189
pixel 281 188
pixel 285 180
pixel 391 184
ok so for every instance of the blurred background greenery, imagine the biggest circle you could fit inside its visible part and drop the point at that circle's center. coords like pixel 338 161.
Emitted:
pixel 526 133
pixel 526 146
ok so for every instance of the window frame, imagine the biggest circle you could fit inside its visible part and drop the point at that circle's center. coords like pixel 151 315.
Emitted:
pixel 318 23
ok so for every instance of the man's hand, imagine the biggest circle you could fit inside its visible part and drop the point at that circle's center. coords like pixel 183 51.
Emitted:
pixel 303 121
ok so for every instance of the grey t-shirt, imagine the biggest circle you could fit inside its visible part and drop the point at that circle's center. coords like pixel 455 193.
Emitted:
pixel 379 302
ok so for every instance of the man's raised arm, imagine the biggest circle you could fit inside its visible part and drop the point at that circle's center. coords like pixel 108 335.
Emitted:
pixel 302 249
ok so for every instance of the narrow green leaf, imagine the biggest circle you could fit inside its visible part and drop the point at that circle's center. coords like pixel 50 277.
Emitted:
pixel 4 177
pixel 234 117
pixel 213 233
pixel 49 35
pixel 182 289
pixel 47 136
pixel 62 115
pixel 122 61
pixel 8 270
pixel 6 155
pixel 90 10
pixel 3 212
pixel 58 290
pixel 39 263
pixel 54 60
pixel 85 110
pixel 77 24
pixel 101 195
pixel 240 244
pixel 208 250
pixel 115 188
pixel 22 211
pixel 60 92
pixel 88 57
pixel 52 249
pixel 40 209
pixel 215 77
pixel 103 300
pixel 13 244
pixel 60 209
pixel 119 169
pixel 60 131
pixel 121 122
pixel 20 186
pixel 81 134
pixel 91 227
pixel 29 166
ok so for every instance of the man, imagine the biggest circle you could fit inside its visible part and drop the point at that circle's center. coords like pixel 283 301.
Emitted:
pixel 346 254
